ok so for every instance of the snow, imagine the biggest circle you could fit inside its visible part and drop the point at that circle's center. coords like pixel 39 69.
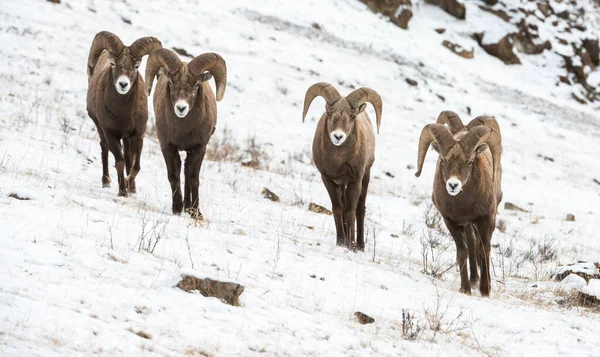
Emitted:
pixel 74 282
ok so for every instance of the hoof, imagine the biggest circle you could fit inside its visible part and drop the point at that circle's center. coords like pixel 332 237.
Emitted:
pixel 474 280
pixel 177 208
pixel 195 213
pixel 130 185
pixel 122 194
pixel 465 291
pixel 105 181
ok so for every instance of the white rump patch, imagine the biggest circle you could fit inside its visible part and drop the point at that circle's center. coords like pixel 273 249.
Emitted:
pixel 123 85
pixel 338 137
pixel 181 108
pixel 453 186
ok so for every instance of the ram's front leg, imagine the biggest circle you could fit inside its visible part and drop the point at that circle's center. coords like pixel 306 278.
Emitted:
pixel 336 208
pixel 173 163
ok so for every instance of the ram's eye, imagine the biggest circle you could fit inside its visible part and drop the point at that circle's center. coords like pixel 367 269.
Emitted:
pixel 112 64
pixel 442 161
pixel 137 66
pixel 470 163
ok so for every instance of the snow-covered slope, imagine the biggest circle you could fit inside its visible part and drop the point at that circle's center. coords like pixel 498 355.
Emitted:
pixel 74 281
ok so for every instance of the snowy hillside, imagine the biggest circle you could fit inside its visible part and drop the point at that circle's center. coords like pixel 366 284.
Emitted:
pixel 84 272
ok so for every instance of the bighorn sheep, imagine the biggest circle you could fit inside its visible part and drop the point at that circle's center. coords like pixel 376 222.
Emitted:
pixel 466 188
pixel 344 151
pixel 186 116
pixel 117 104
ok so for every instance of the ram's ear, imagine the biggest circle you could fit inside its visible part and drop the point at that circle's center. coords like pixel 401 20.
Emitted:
pixel 435 146
pixel 481 149
pixel 362 108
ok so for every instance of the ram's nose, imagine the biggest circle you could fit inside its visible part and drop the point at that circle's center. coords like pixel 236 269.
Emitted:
pixel 181 108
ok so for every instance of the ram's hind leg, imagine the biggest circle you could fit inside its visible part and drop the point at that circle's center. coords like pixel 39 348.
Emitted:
pixel 360 213
pixel 485 227
pixel 115 147
pixel 458 233
pixel 336 206
pixel 472 244
pixel 135 145
pixel 350 203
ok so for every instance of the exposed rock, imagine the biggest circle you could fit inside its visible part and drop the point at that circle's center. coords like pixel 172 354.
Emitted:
pixel 268 194
pixel 502 50
pixel 545 8
pixel 458 49
pixel 313 207
pixel 582 268
pixel 55 1
pixel 512 207
pixel 398 11
pixel 453 7
pixel 363 318
pixel 227 292
pixel 16 196
pixel 498 12
pixel 528 41
pixel 570 218
pixel 490 2
pixel 412 82
pixel 440 30
pixel 593 49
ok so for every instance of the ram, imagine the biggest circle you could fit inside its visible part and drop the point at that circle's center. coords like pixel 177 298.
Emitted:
pixel 186 116
pixel 466 188
pixel 344 152
pixel 117 103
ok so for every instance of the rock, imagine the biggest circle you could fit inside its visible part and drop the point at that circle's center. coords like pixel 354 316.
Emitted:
pixel 313 207
pixel 490 2
pixel 583 269
pixel 453 7
pixel 578 98
pixel 458 49
pixel 570 218
pixel 363 318
pixel 398 11
pixel 512 207
pixel 597 181
pixel 528 41
pixel 593 49
pixel 573 281
pixel 545 8
pixel 126 20
pixel 502 50
pixel 412 82
pixel 440 30
pixel 54 1
pixel 268 194
pixel 316 26
pixel 228 293
pixel 498 12
pixel 563 15
pixel 16 196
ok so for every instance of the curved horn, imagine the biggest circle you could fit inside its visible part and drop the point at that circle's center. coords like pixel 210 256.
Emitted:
pixel 321 89
pixel 362 95
pixel 433 132
pixel 485 121
pixel 158 59
pixel 452 119
pixel 488 133
pixel 143 46
pixel 103 40
pixel 214 64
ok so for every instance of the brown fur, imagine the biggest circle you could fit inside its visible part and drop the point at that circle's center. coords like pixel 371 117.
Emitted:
pixel 190 134
pixel 345 169
pixel 470 216
pixel 120 119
